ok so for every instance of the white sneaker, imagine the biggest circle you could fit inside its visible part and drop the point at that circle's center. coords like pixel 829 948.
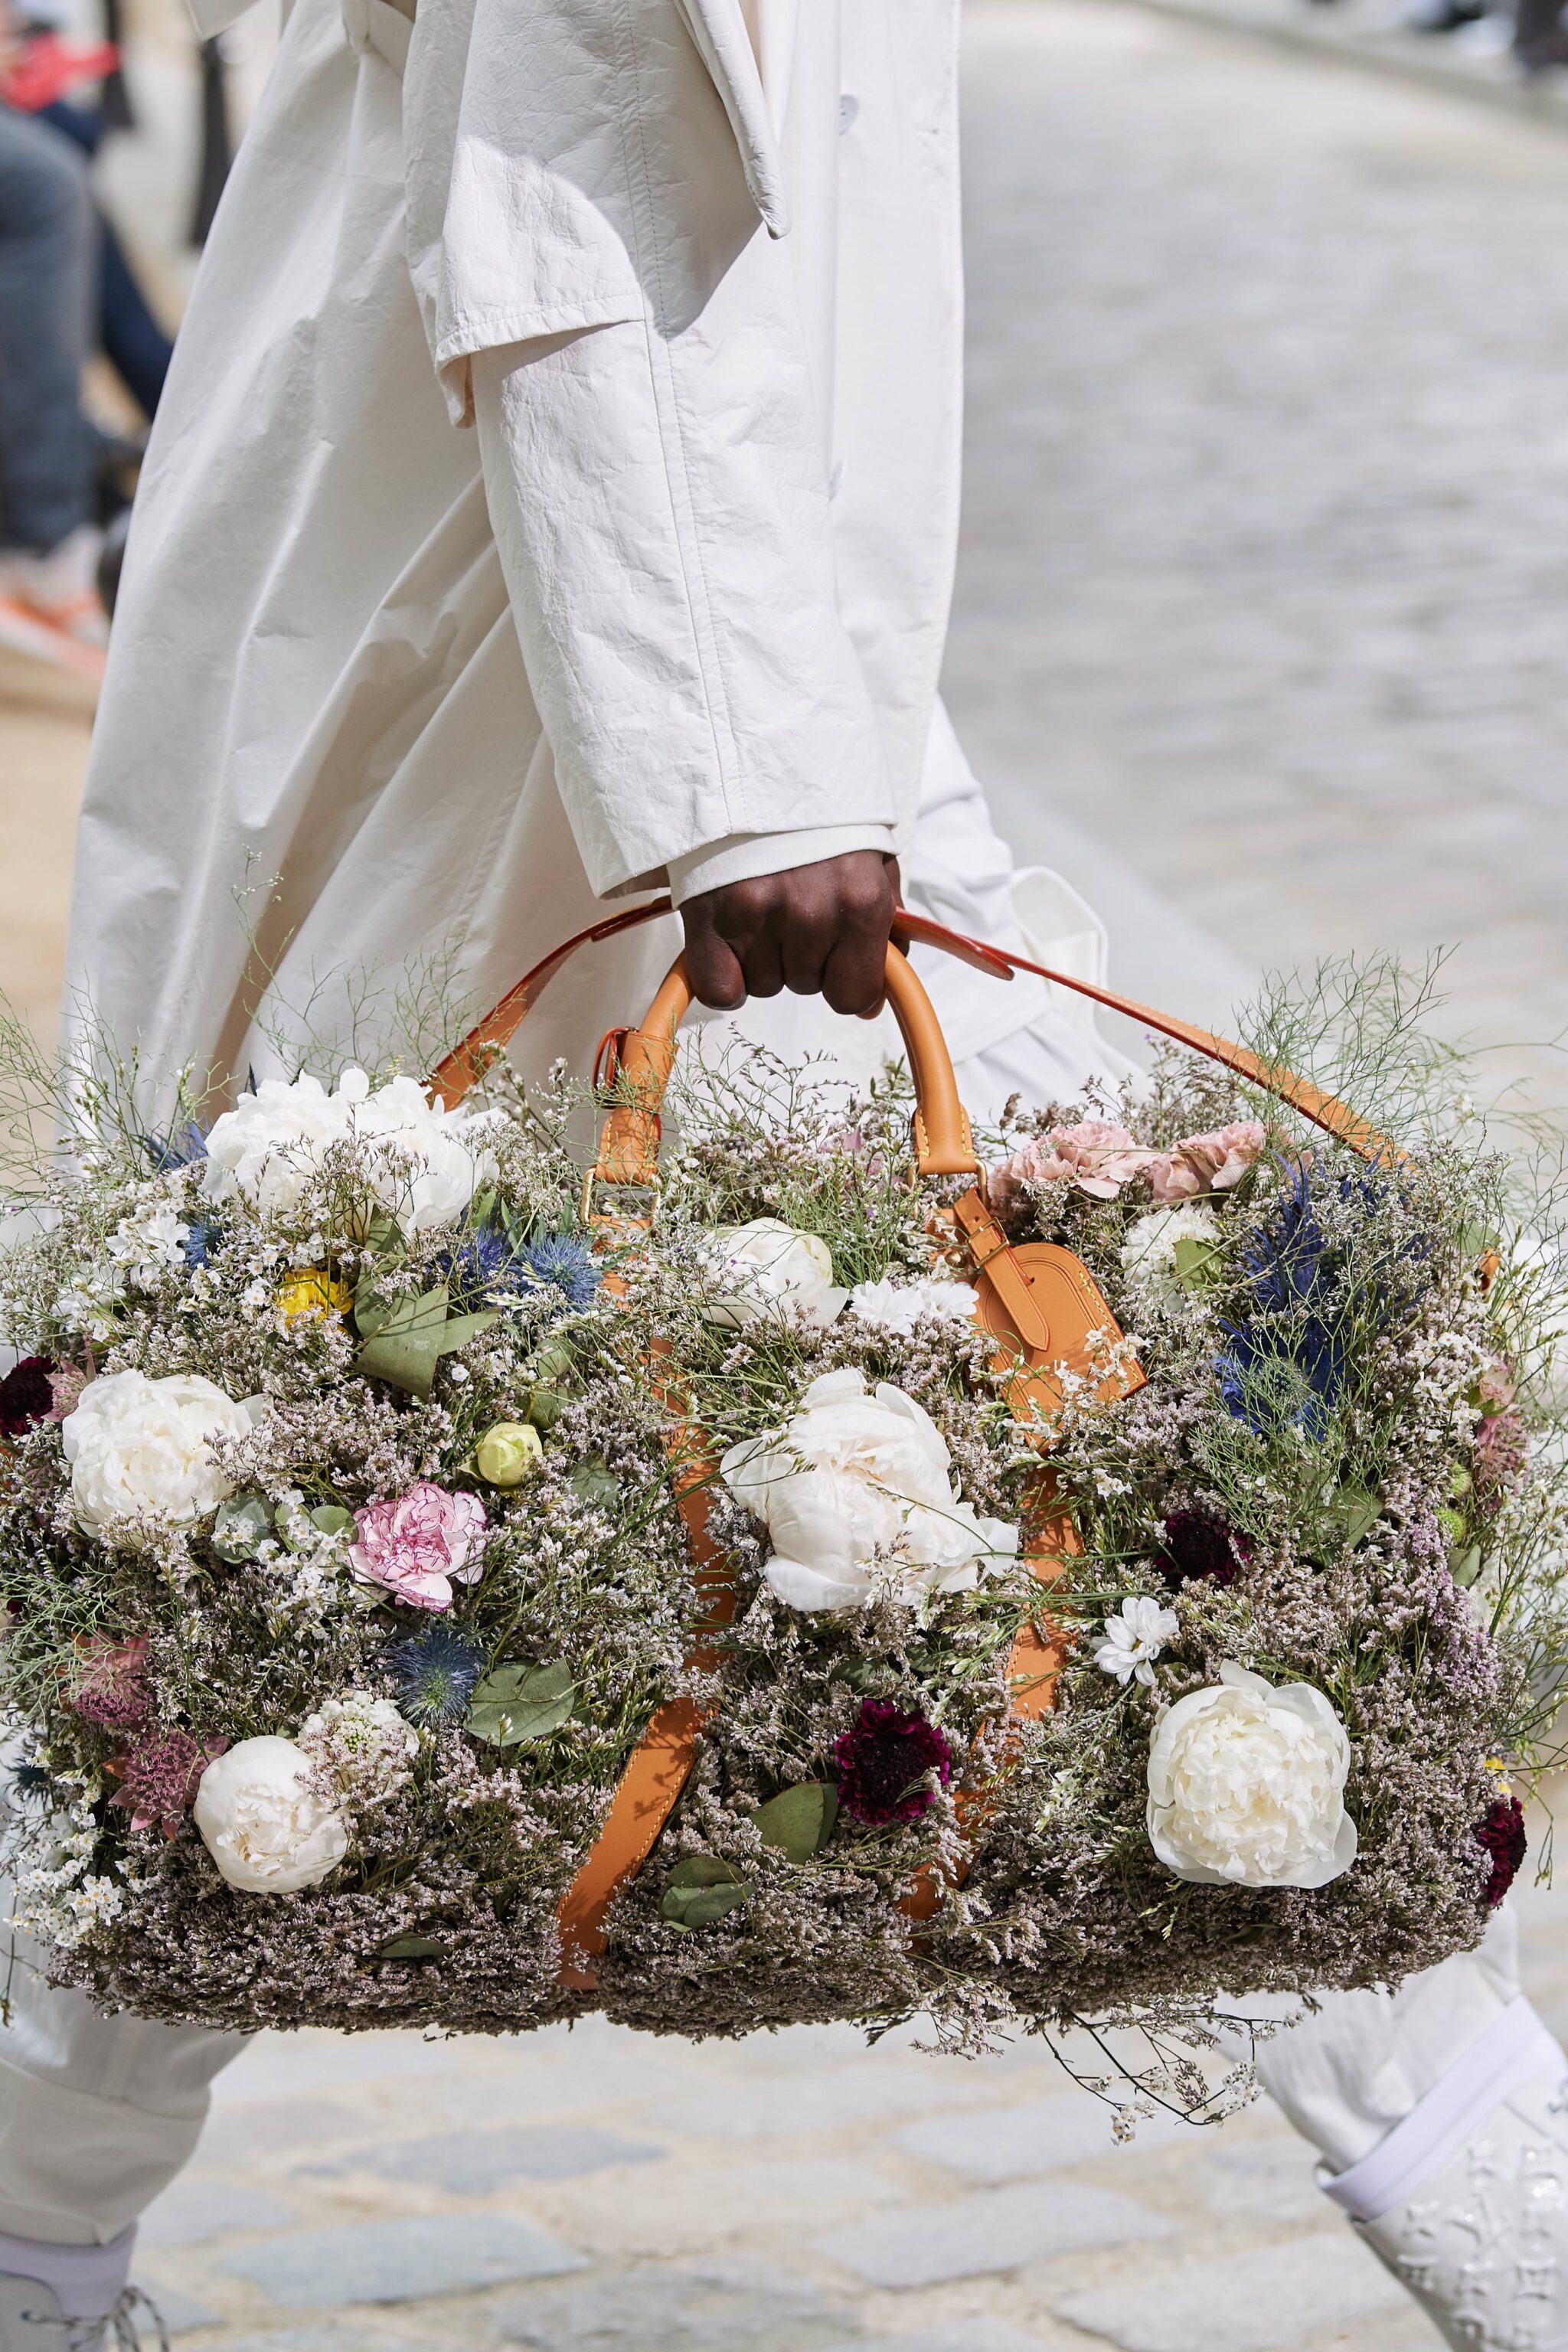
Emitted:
pixel 60 589
pixel 1482 2244
pixel 31 2320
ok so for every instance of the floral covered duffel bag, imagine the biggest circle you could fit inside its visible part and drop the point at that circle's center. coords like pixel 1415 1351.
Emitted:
pixel 818 1570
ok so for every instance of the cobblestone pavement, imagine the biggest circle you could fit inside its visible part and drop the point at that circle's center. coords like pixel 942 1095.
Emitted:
pixel 1265 574
pixel 1259 632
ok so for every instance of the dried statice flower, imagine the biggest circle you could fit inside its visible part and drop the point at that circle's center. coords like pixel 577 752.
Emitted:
pixel 159 1777
pixel 883 1763
pixel 436 1672
pixel 1502 1835
pixel 1199 1546
pixel 26 1395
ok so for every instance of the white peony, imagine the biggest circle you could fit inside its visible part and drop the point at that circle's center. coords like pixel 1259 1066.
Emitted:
pixel 140 1447
pixel 1247 1784
pixel 265 1822
pixel 420 1160
pixel 1134 1639
pixel 1149 1248
pixel 898 1307
pixel 855 1481
pixel 771 1268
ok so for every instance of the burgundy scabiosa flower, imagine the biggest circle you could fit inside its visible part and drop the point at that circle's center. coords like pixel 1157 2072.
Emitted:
pixel 110 1688
pixel 1197 1545
pixel 883 1762
pixel 1500 1831
pixel 26 1395
pixel 160 1776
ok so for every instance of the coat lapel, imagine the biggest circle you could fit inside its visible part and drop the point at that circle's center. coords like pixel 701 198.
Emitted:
pixel 723 41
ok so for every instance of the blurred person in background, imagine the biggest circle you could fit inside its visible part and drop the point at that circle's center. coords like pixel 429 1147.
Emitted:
pixel 49 453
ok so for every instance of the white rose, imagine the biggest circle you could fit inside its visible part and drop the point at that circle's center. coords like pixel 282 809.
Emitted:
pixel 898 1307
pixel 1247 1785
pixel 856 1479
pixel 139 1446
pixel 774 1269
pixel 1149 1248
pixel 264 1823
pixel 421 1163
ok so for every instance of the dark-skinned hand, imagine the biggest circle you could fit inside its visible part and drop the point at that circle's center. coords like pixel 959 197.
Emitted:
pixel 818 929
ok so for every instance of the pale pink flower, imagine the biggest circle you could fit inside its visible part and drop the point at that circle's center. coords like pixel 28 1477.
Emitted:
pixel 417 1546
pixel 1206 1163
pixel 1096 1155
pixel 1495 1391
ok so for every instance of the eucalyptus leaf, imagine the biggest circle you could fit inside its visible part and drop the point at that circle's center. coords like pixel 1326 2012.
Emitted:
pixel 242 1523
pixel 556 1361
pixel 707 1904
pixel 512 1704
pixel 405 1338
pixel 411 1947
pixel 331 1518
pixel 546 1407
pixel 703 1870
pixel 1464 1567
pixel 594 1483
pixel 798 1820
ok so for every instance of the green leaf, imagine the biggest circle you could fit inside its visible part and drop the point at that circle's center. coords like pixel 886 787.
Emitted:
pixel 331 1518
pixel 405 1338
pixel 546 1407
pixel 516 1703
pixel 1464 1567
pixel 1355 1510
pixel 798 1820
pixel 1198 1263
pixel 242 1523
pixel 556 1361
pixel 707 1904
pixel 703 1870
pixel 411 1947
pixel 594 1483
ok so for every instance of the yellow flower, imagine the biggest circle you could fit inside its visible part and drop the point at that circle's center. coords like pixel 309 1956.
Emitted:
pixel 314 1290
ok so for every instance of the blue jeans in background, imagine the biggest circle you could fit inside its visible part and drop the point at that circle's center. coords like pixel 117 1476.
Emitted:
pixel 48 263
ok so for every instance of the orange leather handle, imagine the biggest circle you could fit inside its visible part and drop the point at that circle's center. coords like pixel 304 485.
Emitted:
pixel 644 1057
pixel 464 1066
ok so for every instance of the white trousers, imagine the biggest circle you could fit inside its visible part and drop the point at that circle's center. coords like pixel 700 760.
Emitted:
pixel 98 2114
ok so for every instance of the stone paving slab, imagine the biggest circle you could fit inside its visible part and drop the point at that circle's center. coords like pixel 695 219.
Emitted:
pixel 1045 2135
pixel 656 2309
pixel 401 2262
pixel 478 2163
pixel 999 2229
pixel 1269 2300
pixel 193 2210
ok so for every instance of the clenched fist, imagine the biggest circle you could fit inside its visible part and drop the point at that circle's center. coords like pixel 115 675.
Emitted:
pixel 818 929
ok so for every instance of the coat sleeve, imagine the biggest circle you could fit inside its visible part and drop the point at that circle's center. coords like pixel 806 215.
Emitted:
pixel 589 240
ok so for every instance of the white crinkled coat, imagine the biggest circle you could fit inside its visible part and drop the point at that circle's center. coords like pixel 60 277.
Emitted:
pixel 554 496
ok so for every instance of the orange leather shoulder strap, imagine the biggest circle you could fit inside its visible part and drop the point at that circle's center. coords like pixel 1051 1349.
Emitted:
pixel 463 1067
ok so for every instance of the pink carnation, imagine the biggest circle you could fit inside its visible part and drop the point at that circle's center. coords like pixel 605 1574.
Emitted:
pixel 418 1546
pixel 1096 1155
pixel 1206 1163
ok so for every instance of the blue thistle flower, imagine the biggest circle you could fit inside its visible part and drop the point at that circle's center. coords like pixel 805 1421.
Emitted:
pixel 1287 1366
pixel 567 1262
pixel 178 1149
pixel 490 1260
pixel 202 1238
pixel 435 1672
